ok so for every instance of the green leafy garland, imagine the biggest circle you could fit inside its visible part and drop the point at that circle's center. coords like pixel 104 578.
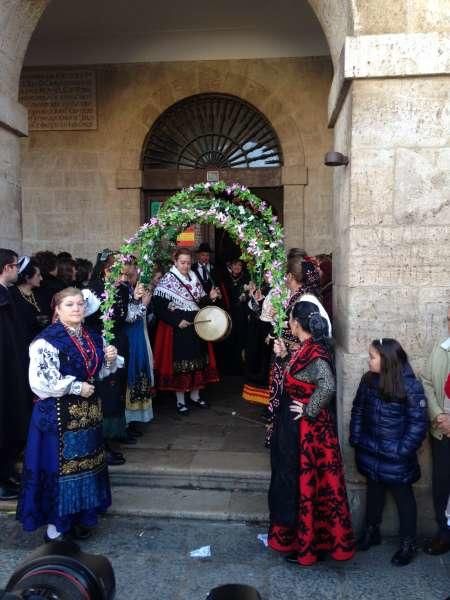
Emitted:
pixel 247 219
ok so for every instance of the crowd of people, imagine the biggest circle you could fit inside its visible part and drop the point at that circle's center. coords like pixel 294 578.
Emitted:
pixel 83 398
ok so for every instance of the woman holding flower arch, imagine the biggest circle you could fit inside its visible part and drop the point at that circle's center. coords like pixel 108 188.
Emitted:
pixel 183 362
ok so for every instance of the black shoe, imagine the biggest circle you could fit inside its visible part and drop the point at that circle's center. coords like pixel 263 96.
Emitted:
pixel 437 546
pixel 291 557
pixel 370 537
pixel 117 454
pixel 182 409
pixel 8 491
pixel 80 532
pixel 134 431
pixel 127 440
pixel 405 554
pixel 110 450
pixel 113 460
pixel 199 403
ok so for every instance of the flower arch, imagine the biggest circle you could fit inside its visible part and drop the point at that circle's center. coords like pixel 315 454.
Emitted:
pixel 247 219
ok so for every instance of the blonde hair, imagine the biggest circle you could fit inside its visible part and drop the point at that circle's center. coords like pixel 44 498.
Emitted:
pixel 59 297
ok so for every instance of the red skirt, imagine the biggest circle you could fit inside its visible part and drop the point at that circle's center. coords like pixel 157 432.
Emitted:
pixel 324 522
pixel 166 378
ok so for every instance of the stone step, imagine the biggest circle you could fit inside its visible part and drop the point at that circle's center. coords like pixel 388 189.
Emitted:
pixel 215 505
pixel 245 471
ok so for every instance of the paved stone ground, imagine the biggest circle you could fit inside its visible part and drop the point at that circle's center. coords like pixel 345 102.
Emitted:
pixel 151 561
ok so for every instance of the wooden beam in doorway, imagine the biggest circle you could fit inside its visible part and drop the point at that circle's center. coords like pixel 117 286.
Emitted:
pixel 171 179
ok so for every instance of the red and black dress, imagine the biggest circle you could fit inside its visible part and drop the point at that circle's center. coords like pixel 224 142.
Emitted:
pixel 183 361
pixel 308 505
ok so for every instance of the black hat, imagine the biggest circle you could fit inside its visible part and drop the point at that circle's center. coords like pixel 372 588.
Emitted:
pixel 204 247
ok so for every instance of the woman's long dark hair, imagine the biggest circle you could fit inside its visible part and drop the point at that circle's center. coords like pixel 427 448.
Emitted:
pixel 311 321
pixel 393 361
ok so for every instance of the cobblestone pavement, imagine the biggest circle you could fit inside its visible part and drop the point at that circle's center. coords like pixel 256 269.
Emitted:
pixel 151 561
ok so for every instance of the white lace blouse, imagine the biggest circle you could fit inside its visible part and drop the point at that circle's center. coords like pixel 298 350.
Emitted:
pixel 44 375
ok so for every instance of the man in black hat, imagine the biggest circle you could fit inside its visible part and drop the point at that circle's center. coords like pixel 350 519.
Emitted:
pixel 203 268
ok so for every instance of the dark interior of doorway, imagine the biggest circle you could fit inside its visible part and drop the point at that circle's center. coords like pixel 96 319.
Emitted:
pixel 224 247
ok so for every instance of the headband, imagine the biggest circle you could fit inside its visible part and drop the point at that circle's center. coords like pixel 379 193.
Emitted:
pixel 23 263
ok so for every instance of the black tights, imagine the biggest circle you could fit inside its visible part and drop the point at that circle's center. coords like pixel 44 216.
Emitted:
pixel 404 499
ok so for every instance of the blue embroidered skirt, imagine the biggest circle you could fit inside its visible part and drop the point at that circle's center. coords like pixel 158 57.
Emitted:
pixel 65 477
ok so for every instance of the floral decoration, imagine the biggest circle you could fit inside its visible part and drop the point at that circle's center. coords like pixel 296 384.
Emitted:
pixel 247 219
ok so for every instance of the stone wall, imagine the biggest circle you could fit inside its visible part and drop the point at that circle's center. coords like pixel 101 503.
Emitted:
pixel 393 221
pixel 70 198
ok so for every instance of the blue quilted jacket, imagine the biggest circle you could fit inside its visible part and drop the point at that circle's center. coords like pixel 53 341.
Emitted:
pixel 387 434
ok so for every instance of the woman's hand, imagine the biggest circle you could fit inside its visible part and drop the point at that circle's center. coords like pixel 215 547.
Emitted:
pixel 443 424
pixel 183 324
pixel 298 408
pixel 86 390
pixel 268 339
pixel 213 294
pixel 147 296
pixel 258 295
pixel 139 291
pixel 279 348
pixel 110 354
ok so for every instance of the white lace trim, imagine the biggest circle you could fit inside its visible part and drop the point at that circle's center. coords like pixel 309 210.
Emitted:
pixel 171 289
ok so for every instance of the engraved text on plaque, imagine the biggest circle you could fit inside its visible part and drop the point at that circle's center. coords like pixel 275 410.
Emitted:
pixel 59 99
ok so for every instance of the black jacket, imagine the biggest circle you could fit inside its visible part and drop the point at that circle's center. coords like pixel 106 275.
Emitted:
pixel 386 434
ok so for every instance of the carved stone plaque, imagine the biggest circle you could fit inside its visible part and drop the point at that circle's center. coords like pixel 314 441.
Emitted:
pixel 59 99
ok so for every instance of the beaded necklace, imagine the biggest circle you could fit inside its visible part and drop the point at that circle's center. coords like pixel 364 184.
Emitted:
pixel 30 299
pixel 88 353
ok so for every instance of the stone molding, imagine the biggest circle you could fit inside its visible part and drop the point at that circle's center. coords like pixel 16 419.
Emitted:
pixel 397 55
pixel 387 56
pixel 128 179
pixel 295 175
pixel 13 116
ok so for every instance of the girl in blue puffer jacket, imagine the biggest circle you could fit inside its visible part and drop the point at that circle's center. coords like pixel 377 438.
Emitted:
pixel 388 425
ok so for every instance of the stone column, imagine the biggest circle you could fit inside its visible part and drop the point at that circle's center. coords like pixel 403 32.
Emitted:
pixel 294 180
pixel 392 212
pixel 13 125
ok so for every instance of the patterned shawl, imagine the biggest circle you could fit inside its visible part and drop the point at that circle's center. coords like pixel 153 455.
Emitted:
pixel 183 292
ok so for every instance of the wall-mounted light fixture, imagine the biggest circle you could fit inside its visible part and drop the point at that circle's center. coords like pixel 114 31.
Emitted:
pixel 335 159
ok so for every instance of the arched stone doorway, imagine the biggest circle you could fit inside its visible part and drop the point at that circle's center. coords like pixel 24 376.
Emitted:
pixel 211 137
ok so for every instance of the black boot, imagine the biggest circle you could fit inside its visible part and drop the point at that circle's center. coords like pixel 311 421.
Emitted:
pixel 406 553
pixel 370 537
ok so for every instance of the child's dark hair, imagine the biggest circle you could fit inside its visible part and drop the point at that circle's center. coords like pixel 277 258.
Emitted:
pixel 393 361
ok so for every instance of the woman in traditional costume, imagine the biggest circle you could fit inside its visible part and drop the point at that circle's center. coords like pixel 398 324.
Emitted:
pixel 138 407
pixel 65 480
pixel 303 282
pixel 112 389
pixel 27 305
pixel 183 362
pixel 309 512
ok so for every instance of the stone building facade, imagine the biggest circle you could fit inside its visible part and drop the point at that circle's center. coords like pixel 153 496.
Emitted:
pixel 388 111
pixel 93 178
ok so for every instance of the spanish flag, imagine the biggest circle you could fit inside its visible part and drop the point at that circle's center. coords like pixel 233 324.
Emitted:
pixel 187 237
